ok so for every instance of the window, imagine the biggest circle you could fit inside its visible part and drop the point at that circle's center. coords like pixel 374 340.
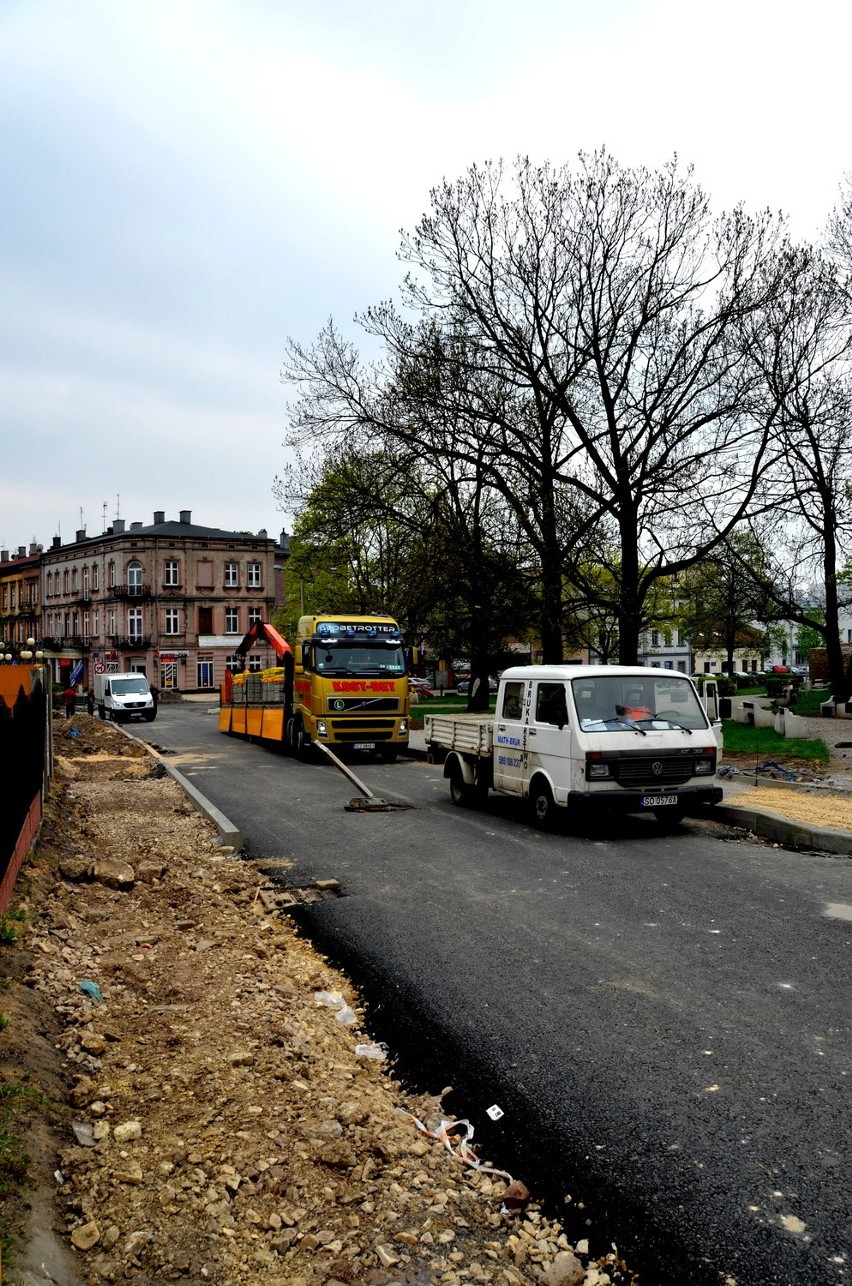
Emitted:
pixel 205 620
pixel 111 621
pixel 550 704
pixel 254 615
pixel 234 664
pixel 66 624
pixel 86 632
pixel 172 621
pixel 232 620
pixel 134 622
pixel 253 576
pixel 134 577
pixel 96 624
pixel 94 576
pixel 655 638
pixel 49 588
pixel 110 574
pixel 85 580
pixel 232 576
pixel 73 580
pixel 75 624
pixel 14 589
pixel 513 700
pixel 172 572
pixel 66 581
pixel 254 663
pixel 676 637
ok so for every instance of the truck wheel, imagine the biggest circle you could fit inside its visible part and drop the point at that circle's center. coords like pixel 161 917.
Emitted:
pixel 542 806
pixel 102 711
pixel 388 754
pixel 303 745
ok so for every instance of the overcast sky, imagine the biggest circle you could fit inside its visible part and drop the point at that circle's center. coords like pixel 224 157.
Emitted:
pixel 185 185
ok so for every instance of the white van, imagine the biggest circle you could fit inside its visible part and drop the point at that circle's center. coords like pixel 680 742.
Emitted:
pixel 121 696
pixel 583 739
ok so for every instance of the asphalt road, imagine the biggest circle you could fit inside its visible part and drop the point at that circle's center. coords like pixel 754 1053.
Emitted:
pixel 664 1019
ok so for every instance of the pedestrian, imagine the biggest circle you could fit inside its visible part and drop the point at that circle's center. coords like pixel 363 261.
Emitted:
pixel 90 700
pixel 155 694
pixel 69 699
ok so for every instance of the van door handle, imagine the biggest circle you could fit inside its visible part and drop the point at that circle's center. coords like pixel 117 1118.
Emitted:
pixel 532 732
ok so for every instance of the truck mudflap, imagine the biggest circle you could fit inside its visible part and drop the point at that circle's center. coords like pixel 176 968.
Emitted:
pixel 687 798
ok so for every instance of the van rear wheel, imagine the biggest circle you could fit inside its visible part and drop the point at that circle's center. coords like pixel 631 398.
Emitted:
pixel 460 793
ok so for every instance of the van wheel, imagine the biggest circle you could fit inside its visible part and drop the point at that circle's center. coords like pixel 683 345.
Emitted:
pixel 149 718
pixel 460 793
pixel 669 818
pixel 542 807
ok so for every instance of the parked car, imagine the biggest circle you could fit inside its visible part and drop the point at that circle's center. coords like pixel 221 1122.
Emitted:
pixel 420 686
pixel 463 685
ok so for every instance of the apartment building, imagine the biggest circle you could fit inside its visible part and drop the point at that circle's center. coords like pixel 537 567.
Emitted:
pixel 170 599
pixel 20 597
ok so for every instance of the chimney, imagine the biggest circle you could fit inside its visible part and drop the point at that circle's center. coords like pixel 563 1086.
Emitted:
pixel 22 551
pixel 136 526
pixel 263 534
pixel 4 555
pixel 159 516
pixel 34 549
pixel 118 526
pixel 186 515
pixel 57 542
pixel 81 534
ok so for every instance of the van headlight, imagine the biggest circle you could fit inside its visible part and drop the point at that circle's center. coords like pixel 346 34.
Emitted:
pixel 705 767
pixel 596 768
pixel 322 728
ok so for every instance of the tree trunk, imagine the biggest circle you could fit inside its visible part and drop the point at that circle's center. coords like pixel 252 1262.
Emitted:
pixel 630 606
pixel 834 652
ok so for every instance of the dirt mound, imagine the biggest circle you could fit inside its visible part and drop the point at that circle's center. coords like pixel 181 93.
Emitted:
pixel 191 1077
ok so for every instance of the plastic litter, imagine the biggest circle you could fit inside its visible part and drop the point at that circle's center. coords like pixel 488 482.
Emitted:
pixel 447 1132
pixel 73 732
pixel 495 1112
pixel 91 989
pixel 84 1133
pixel 334 1000
pixel 374 1049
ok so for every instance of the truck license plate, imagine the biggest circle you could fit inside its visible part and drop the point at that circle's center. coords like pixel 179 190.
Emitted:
pixel 657 801
pixel 364 745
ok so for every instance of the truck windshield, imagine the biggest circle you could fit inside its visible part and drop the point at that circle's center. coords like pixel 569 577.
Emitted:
pixel 658 700
pixel 129 687
pixel 368 658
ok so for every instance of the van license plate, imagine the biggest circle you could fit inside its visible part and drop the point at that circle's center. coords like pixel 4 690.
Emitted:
pixel 364 745
pixel 657 801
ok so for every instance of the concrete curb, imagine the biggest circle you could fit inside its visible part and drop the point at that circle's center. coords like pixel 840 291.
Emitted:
pixel 782 830
pixel 228 831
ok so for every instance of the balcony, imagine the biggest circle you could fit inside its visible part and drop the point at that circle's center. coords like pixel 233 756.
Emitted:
pixel 129 591
pixel 129 643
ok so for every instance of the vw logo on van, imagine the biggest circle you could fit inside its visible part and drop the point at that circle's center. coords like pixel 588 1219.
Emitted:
pixel 656 767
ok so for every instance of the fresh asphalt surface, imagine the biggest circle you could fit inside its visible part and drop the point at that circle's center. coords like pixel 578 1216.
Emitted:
pixel 664 1019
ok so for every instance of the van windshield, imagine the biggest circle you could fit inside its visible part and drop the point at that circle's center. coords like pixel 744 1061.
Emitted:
pixel 129 687
pixel 656 700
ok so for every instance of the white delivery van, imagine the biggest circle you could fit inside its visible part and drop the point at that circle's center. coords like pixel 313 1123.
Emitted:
pixel 121 696
pixel 585 739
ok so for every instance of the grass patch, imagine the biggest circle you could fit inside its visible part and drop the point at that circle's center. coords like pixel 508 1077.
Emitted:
pixel 741 738
pixel 14 1158
pixel 10 922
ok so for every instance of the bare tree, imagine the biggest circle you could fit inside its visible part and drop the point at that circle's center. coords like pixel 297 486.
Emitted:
pixel 801 344
pixel 578 335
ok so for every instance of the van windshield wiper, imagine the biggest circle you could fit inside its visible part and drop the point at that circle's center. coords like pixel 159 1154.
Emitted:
pixel 626 723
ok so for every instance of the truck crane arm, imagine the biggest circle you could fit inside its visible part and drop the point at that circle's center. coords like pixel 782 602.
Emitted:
pixel 261 630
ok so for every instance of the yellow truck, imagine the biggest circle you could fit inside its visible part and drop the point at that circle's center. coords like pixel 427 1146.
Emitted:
pixel 343 683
